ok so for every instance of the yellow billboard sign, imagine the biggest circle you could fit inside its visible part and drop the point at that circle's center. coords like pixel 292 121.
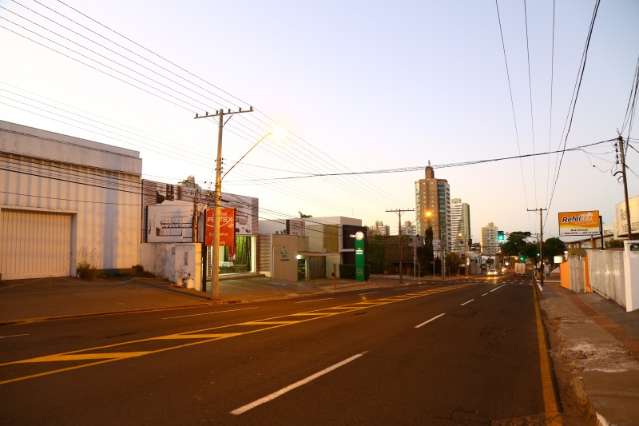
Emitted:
pixel 585 223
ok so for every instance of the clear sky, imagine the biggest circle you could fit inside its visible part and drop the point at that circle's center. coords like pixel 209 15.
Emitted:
pixel 366 84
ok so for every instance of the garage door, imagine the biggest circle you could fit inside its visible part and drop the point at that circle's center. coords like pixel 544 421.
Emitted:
pixel 34 244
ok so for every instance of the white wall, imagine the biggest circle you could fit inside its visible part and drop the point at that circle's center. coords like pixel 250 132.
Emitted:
pixel 607 274
pixel 50 172
pixel 631 274
pixel 173 261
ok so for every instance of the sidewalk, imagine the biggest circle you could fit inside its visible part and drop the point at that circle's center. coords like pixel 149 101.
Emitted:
pixel 595 348
pixel 37 299
pixel 47 298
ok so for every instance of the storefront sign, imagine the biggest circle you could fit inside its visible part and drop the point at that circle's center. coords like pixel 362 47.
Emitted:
pixel 584 223
pixel 227 228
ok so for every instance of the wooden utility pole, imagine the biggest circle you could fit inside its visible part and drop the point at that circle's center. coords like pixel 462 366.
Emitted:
pixel 217 201
pixel 541 241
pixel 622 160
pixel 399 234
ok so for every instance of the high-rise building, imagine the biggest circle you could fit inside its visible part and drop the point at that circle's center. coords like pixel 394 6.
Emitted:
pixel 408 228
pixel 460 225
pixel 379 229
pixel 489 244
pixel 432 208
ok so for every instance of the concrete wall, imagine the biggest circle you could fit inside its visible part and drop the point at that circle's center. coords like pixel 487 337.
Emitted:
pixel 98 184
pixel 285 248
pixel 176 262
pixel 607 274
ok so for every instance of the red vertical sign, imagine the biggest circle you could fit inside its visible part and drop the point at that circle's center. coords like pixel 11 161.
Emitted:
pixel 227 228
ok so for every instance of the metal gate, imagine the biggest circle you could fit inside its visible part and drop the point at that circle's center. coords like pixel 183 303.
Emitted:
pixel 34 244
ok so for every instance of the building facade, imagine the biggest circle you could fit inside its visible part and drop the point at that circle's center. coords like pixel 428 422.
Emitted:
pixel 408 228
pixel 621 220
pixel 460 225
pixel 432 209
pixel 379 229
pixel 66 201
pixel 489 244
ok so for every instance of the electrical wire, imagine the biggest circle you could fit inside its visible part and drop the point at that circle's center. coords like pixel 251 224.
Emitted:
pixel 530 98
pixel 512 104
pixel 573 104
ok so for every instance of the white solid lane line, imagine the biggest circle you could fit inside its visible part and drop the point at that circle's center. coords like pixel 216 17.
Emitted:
pixel 485 293
pixel 430 320
pixel 315 300
pixel 209 313
pixel 14 335
pixel 467 302
pixel 278 393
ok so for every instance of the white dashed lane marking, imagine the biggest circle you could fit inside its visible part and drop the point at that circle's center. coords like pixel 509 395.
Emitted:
pixel 467 302
pixel 278 393
pixel 430 320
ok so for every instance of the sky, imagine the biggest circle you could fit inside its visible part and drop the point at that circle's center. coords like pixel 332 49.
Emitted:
pixel 358 85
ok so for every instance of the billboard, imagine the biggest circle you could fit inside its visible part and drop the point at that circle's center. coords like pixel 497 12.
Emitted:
pixel 583 223
pixel 170 222
pixel 227 228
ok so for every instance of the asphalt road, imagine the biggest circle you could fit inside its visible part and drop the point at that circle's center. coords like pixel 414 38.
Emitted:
pixel 461 353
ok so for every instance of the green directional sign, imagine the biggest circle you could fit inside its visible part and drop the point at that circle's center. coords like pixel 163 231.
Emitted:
pixel 360 259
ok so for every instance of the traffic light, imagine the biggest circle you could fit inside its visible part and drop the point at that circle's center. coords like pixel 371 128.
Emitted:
pixel 501 236
pixel 522 258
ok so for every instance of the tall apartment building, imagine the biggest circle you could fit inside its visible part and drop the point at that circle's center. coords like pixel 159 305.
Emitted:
pixel 460 225
pixel 432 208
pixel 489 244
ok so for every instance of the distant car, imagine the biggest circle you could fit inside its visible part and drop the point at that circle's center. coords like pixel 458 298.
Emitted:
pixel 491 271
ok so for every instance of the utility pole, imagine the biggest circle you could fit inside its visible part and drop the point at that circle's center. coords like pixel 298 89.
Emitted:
pixel 622 160
pixel 399 233
pixel 217 201
pixel 601 232
pixel 541 241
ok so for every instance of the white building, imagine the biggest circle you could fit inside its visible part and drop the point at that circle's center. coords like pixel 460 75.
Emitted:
pixel 65 201
pixel 489 244
pixel 460 225
pixel 379 229
pixel 620 217
pixel 408 228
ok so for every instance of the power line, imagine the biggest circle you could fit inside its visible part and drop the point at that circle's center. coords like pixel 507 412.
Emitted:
pixel 552 81
pixel 439 166
pixel 314 158
pixel 512 103
pixel 573 103
pixel 530 98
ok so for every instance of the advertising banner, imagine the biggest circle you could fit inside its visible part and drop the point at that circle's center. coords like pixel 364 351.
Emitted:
pixel 227 228
pixel 584 223
pixel 170 222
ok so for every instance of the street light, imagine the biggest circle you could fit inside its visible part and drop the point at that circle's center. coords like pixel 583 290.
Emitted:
pixel 278 133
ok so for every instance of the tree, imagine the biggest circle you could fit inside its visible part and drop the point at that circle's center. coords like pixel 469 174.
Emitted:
pixel 425 253
pixel 553 247
pixel 530 250
pixel 304 216
pixel 516 244
pixel 452 263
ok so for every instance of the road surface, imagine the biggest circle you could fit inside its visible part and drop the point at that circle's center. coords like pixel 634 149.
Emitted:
pixel 464 352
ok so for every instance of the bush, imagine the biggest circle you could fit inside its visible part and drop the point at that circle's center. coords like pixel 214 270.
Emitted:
pixel 138 270
pixel 86 271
